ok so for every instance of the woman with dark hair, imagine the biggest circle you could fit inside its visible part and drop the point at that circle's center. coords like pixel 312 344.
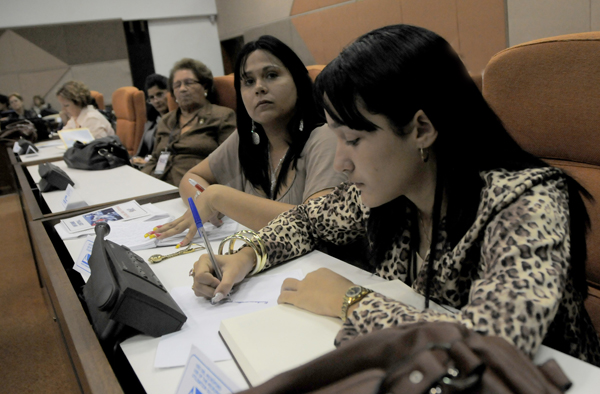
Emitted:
pixel 450 203
pixel 16 104
pixel 278 158
pixel 77 105
pixel 156 89
pixel 188 135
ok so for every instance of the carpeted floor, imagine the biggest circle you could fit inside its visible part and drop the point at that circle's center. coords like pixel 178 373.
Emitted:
pixel 33 357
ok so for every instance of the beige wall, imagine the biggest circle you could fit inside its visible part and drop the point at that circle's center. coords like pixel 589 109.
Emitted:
pixel 532 19
pixel 318 29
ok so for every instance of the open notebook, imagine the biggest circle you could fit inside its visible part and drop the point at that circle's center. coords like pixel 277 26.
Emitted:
pixel 271 341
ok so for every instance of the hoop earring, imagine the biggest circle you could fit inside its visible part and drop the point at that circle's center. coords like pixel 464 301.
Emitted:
pixel 424 154
pixel 255 136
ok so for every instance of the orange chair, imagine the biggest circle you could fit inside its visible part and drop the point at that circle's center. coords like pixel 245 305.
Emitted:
pixel 129 106
pixel 546 93
pixel 314 70
pixel 99 97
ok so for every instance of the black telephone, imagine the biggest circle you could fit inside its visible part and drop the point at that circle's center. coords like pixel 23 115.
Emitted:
pixel 123 295
pixel 53 178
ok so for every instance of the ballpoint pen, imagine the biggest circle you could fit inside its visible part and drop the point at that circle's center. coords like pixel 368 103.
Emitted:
pixel 201 231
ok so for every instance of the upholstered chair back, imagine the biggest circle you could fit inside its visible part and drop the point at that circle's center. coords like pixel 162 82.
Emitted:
pixel 546 93
pixel 99 97
pixel 129 106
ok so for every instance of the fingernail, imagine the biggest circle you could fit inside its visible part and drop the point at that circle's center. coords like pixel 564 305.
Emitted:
pixel 146 235
pixel 159 226
pixel 192 272
pixel 152 236
pixel 177 246
pixel 218 297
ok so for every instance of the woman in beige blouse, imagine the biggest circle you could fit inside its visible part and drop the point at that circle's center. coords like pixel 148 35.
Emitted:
pixel 278 158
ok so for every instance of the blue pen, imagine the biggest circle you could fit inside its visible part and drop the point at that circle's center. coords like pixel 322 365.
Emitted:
pixel 218 297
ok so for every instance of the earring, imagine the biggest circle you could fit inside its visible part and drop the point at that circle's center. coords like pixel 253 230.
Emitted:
pixel 301 126
pixel 424 154
pixel 205 94
pixel 255 136
pixel 177 101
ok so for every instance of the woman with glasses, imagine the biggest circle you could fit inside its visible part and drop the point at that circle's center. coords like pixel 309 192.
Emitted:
pixel 157 99
pixel 280 156
pixel 188 135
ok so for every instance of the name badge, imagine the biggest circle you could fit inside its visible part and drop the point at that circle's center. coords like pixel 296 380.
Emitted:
pixel 162 162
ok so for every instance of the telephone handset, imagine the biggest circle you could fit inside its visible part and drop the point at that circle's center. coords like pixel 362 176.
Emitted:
pixel 123 295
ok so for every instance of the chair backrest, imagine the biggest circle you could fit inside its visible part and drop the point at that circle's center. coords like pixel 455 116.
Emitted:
pixel 129 106
pixel 546 93
pixel 99 97
pixel 314 70
pixel 224 93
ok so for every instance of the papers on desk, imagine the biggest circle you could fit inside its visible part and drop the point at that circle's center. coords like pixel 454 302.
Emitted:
pixel 129 222
pixel 202 327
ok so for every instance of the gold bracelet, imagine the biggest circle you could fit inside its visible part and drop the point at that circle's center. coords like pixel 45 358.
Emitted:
pixel 253 240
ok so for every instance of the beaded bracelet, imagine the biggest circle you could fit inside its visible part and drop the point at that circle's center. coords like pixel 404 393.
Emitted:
pixel 253 240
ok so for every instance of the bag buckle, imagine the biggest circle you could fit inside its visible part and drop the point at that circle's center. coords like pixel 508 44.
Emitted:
pixel 103 152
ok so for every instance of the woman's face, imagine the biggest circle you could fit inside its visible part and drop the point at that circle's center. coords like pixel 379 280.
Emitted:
pixel 382 164
pixel 268 90
pixel 158 98
pixel 189 92
pixel 15 103
pixel 70 108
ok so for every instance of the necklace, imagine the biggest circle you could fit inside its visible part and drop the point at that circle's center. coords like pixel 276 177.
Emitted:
pixel 274 171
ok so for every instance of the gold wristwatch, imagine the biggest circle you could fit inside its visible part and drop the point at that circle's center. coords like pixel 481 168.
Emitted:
pixel 353 295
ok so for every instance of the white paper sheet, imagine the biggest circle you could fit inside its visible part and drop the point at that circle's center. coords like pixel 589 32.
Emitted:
pixel 202 327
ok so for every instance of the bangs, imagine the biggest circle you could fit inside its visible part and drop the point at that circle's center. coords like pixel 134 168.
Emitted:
pixel 342 97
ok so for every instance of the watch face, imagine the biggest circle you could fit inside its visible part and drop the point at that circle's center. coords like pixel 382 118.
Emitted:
pixel 353 291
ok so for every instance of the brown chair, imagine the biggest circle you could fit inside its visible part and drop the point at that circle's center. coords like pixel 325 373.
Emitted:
pixel 129 106
pixel 99 98
pixel 546 93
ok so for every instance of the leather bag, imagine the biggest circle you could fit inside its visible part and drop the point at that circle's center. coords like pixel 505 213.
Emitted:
pixel 100 154
pixel 435 357
pixel 20 129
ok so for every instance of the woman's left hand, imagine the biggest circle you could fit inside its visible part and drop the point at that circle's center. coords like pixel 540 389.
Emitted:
pixel 321 291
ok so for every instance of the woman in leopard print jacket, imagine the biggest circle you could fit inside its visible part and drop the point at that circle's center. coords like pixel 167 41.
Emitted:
pixel 448 202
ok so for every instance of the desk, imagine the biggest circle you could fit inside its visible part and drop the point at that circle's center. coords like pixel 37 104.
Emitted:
pixel 52 150
pixel 96 188
pixel 140 350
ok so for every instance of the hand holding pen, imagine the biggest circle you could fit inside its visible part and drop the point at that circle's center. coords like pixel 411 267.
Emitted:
pixel 219 297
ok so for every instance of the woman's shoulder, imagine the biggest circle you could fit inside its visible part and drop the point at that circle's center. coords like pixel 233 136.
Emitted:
pixel 320 136
pixel 504 186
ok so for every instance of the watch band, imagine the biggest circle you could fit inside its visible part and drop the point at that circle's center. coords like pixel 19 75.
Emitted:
pixel 353 295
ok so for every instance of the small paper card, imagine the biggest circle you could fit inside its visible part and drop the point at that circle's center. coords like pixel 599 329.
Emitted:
pixel 202 376
pixel 71 200
pixel 81 264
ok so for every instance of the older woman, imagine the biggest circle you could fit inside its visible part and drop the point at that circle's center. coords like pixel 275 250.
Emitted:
pixel 280 156
pixel 16 104
pixel 76 102
pixel 188 135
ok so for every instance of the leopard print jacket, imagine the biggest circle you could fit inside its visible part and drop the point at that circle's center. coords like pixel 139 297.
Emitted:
pixel 520 288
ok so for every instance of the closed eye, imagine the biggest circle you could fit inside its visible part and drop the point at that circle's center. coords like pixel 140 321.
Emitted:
pixel 353 142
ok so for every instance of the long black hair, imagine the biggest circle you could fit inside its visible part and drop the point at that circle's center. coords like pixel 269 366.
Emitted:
pixel 254 158
pixel 396 71
pixel 161 82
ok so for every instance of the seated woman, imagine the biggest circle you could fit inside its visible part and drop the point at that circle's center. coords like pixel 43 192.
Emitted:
pixel 156 93
pixel 277 158
pixel 16 104
pixel 41 107
pixel 76 102
pixel 188 135
pixel 451 205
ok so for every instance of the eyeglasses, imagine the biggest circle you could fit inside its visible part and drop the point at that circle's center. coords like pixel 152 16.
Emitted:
pixel 186 82
pixel 157 96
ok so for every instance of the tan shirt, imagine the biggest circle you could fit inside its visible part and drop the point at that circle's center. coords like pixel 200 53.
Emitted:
pixel 314 168
pixel 90 118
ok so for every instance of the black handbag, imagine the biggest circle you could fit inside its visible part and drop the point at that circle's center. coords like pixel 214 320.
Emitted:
pixel 100 154
pixel 20 129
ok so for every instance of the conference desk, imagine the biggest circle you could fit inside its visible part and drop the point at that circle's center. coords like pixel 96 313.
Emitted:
pixel 96 188
pixel 140 350
pixel 49 151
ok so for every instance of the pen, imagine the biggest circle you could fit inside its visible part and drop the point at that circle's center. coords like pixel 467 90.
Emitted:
pixel 201 231
pixel 196 185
